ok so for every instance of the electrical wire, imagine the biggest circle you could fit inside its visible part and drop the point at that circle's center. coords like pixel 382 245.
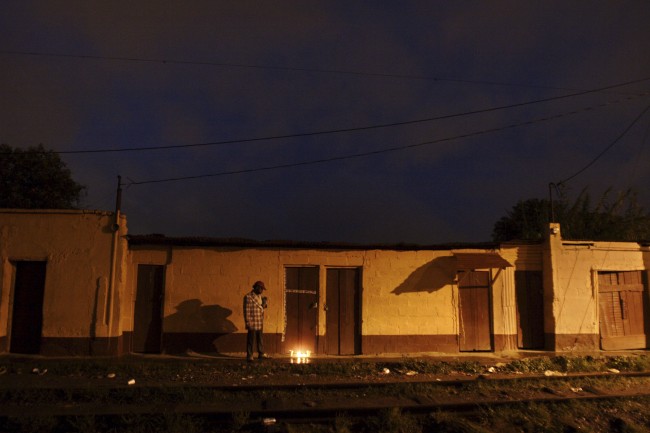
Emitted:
pixel 360 128
pixel 274 68
pixel 606 149
pixel 373 152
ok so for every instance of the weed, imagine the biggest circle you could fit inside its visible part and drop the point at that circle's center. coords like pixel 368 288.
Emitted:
pixel 471 367
pixel 394 421
pixel 444 422
pixel 82 424
pixel 31 424
pixel 629 363
pixel 176 423
pixel 342 423
pixel 239 420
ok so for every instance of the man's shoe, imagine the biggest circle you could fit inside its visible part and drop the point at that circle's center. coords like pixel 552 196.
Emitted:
pixel 249 359
pixel 264 356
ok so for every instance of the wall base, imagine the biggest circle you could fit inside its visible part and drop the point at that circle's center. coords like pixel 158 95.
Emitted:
pixel 177 343
pixel 572 342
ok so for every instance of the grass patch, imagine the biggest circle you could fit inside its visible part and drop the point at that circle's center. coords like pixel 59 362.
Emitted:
pixel 579 364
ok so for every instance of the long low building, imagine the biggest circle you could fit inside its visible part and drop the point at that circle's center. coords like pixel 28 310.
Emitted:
pixel 76 283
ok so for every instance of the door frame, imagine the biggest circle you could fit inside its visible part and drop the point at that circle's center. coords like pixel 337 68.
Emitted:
pixel 490 324
pixel 12 305
pixel 160 305
pixel 287 345
pixel 357 312
pixel 631 341
pixel 530 337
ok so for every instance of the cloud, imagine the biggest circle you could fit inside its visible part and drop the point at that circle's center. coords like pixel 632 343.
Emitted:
pixel 491 54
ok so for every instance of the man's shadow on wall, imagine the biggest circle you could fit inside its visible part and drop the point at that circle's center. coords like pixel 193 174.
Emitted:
pixel 196 327
pixel 430 277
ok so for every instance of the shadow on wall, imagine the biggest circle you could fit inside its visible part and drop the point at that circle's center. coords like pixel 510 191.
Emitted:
pixel 196 327
pixel 429 277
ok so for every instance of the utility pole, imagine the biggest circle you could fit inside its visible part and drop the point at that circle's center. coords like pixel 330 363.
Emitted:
pixel 110 295
pixel 118 199
pixel 551 209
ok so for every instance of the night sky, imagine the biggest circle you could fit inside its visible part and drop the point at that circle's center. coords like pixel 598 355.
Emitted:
pixel 429 119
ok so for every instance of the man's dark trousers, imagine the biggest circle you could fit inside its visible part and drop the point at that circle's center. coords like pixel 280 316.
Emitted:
pixel 254 335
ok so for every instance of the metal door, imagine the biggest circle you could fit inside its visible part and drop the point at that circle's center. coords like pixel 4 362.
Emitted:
pixel 147 321
pixel 530 309
pixel 623 309
pixel 474 294
pixel 27 312
pixel 343 322
pixel 301 295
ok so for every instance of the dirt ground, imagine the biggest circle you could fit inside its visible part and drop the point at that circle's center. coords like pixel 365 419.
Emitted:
pixel 478 372
pixel 219 370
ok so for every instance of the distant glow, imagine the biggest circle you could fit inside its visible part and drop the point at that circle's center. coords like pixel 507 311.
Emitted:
pixel 300 356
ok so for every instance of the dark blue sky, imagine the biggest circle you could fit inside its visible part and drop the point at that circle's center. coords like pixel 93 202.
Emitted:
pixel 242 70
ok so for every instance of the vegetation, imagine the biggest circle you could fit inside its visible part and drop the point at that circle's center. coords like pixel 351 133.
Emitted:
pixel 36 178
pixel 613 217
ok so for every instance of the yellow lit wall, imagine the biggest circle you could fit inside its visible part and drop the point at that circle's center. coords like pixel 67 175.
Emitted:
pixel 78 297
pixel 575 288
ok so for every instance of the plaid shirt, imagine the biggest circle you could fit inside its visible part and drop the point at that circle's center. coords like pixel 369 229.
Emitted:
pixel 253 311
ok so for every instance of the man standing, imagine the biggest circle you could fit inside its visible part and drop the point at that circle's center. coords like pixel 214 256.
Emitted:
pixel 254 305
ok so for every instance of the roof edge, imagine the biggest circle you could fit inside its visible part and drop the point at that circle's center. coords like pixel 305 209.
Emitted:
pixel 157 239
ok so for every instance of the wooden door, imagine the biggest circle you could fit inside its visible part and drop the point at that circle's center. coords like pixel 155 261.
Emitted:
pixel 474 294
pixel 301 294
pixel 147 321
pixel 27 312
pixel 623 308
pixel 530 309
pixel 343 323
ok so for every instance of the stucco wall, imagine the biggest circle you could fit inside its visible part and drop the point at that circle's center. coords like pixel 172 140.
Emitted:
pixel 77 247
pixel 407 294
pixel 409 298
pixel 574 292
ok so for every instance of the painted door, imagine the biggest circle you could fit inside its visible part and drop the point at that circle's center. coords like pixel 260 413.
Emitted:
pixel 147 322
pixel 27 312
pixel 343 323
pixel 301 295
pixel 530 309
pixel 474 294
pixel 623 305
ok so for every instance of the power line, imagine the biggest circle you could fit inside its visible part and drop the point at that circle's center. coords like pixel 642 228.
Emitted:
pixel 360 128
pixel 370 153
pixel 612 144
pixel 273 68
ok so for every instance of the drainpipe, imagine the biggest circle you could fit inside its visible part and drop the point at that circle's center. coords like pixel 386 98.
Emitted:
pixel 108 316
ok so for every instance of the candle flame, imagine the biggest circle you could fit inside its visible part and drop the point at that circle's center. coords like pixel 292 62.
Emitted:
pixel 300 356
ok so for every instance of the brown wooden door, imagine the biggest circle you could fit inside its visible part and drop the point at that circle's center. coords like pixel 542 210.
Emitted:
pixel 343 322
pixel 301 294
pixel 147 322
pixel 623 310
pixel 474 289
pixel 530 309
pixel 27 313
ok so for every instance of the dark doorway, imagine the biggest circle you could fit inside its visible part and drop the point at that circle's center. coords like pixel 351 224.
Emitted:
pixel 147 321
pixel 474 290
pixel 301 309
pixel 530 309
pixel 623 305
pixel 27 313
pixel 342 333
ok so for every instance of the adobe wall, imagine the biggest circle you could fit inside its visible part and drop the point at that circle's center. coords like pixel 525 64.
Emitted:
pixel 409 298
pixel 573 287
pixel 78 249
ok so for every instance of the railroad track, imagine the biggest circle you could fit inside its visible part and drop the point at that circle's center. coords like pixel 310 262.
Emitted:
pixel 300 403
